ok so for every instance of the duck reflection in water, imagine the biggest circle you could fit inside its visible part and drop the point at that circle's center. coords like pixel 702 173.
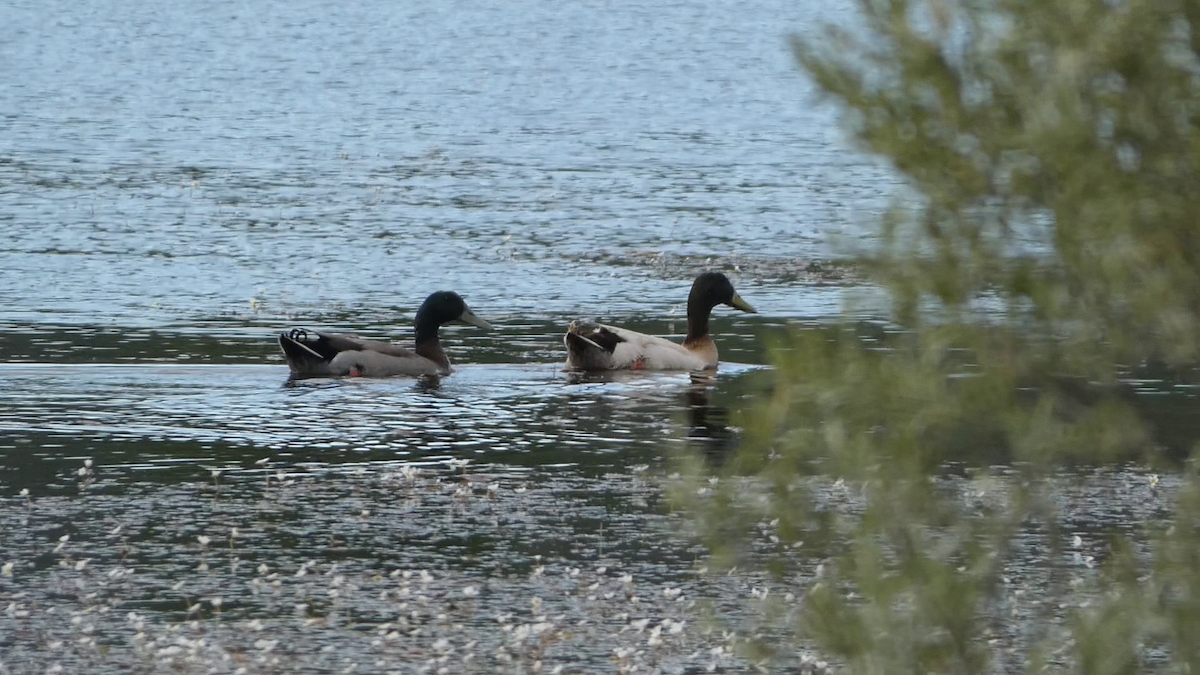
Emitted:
pixel 708 428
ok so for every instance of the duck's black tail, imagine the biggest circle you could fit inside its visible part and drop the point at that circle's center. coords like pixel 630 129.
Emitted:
pixel 304 355
pixel 590 346
pixel 592 336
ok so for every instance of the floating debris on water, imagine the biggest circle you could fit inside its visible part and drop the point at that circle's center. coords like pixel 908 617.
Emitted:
pixel 397 605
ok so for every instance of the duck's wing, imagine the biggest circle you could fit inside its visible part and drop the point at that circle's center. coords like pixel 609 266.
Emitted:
pixel 334 355
pixel 601 347
pixel 384 348
pixel 385 363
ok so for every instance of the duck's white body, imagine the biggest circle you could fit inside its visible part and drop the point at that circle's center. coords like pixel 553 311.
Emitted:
pixel 631 350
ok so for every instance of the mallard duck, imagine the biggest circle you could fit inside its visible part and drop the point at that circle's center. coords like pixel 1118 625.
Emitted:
pixel 600 347
pixel 332 355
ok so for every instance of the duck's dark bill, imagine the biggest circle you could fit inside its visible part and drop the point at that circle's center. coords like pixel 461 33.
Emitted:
pixel 468 317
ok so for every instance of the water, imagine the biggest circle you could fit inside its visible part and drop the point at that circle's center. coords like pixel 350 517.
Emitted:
pixel 179 182
pixel 170 164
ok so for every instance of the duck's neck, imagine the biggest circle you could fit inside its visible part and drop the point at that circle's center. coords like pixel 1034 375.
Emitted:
pixel 428 344
pixel 697 315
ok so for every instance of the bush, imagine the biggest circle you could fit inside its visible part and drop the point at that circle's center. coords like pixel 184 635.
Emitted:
pixel 1050 249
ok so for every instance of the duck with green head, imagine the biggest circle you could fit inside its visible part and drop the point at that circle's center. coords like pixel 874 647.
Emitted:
pixel 600 347
pixel 334 355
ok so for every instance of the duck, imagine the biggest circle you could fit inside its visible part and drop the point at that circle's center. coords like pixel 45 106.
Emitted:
pixel 592 347
pixel 318 354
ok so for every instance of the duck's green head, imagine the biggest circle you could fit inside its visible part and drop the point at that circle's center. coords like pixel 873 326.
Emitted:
pixel 446 306
pixel 713 288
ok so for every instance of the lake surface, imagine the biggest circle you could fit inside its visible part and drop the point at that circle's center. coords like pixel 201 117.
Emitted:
pixel 168 165
pixel 179 182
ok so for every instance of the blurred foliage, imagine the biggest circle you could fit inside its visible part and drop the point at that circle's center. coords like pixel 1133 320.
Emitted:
pixel 1049 246
pixel 1055 148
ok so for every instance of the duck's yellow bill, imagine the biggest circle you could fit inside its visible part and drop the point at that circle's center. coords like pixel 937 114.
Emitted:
pixel 468 317
pixel 738 303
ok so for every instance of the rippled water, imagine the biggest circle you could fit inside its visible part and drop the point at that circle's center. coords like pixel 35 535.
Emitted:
pixel 168 164
pixel 268 511
pixel 181 181
pixel 180 421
